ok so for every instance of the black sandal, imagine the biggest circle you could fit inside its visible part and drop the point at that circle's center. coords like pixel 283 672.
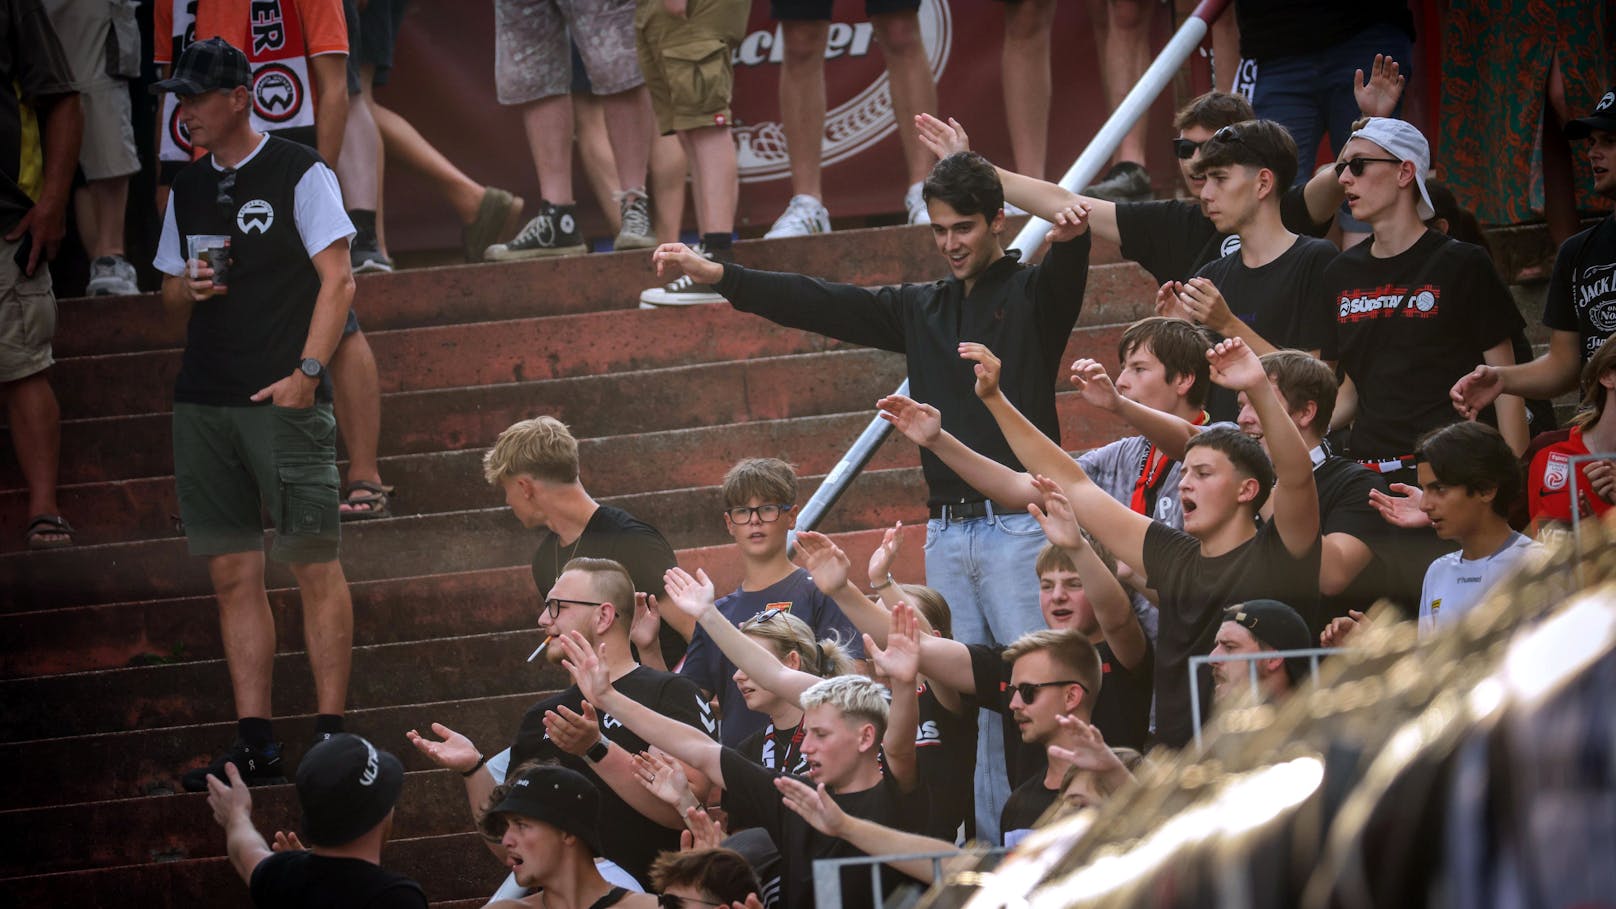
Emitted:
pixel 366 500
pixel 43 527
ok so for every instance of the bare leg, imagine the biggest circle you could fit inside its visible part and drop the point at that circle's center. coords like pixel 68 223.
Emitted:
pixel 913 90
pixel 802 101
pixel 549 134
pixel 1025 65
pixel 367 87
pixel 327 631
pixel 669 167
pixel 712 153
pixel 631 125
pixel 595 148
pixel 358 401
pixel 100 207
pixel 1126 56
pixel 356 170
pixel 36 435
pixel 407 146
pixel 247 628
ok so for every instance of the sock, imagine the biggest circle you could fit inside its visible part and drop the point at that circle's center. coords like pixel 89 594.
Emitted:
pixel 328 724
pixel 363 220
pixel 255 731
pixel 715 242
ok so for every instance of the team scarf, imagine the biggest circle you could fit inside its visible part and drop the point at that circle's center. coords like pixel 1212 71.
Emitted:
pixel 1152 472
pixel 280 73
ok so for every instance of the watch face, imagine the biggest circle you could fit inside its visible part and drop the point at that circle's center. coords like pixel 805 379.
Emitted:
pixel 311 368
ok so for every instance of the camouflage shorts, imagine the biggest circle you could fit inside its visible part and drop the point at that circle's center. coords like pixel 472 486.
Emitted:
pixel 531 59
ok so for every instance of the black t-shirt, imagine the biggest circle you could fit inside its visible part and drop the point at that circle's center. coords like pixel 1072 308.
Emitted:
pixel 752 801
pixel 629 839
pixel 1121 709
pixel 1287 28
pixel 1343 486
pixel 613 533
pixel 1022 810
pixel 776 749
pixel 1278 301
pixel 1406 329
pixel 1173 240
pixel 1582 290
pixel 945 758
pixel 1194 590
pixel 303 880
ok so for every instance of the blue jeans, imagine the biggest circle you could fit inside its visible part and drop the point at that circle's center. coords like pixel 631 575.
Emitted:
pixel 1311 94
pixel 984 567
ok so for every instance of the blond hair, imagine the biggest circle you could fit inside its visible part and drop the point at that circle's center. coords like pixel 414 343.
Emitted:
pixel 789 634
pixel 855 696
pixel 542 448
pixel 612 584
pixel 1068 647
pixel 931 606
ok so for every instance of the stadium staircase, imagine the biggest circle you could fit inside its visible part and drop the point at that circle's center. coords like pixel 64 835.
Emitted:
pixel 111 667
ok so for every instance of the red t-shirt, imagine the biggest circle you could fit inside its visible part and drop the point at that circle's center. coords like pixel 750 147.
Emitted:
pixel 1548 484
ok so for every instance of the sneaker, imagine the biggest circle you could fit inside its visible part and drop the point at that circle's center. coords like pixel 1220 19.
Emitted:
pixel 637 232
pixel 498 218
pixel 804 215
pixel 552 232
pixel 915 201
pixel 685 291
pixel 1124 182
pixel 257 768
pixel 111 276
pixel 366 254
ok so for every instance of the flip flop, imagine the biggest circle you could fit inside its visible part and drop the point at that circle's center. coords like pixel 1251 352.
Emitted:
pixel 499 217
pixel 365 500
pixel 44 526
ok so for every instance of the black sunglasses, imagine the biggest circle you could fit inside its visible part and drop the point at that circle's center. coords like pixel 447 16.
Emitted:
pixel 227 185
pixel 1356 165
pixel 554 605
pixel 768 514
pixel 766 615
pixel 669 901
pixel 1029 690
pixel 1185 149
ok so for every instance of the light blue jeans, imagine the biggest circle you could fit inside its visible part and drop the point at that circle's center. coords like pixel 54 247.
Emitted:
pixel 984 567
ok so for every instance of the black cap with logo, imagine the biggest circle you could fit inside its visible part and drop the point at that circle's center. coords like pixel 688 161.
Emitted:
pixel 1603 118
pixel 346 786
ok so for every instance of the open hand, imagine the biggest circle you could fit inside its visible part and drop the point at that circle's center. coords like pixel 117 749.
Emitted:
pixel 1205 302
pixel 664 778
pixel 455 752
pixel 693 596
pixel 587 667
pixel 987 368
pixel 1235 366
pixel 1340 628
pixel 941 139
pixel 701 831
pixel 1378 96
pixel 229 800
pixel 824 560
pixel 900 660
pixel 813 805
pixel 919 423
pixel 647 625
pixel 1089 750
pixel 287 841
pixel 1056 517
pixel 1092 383
pixel 574 733
pixel 1403 509
pixel 884 555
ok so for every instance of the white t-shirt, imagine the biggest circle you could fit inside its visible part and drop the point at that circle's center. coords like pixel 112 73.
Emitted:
pixel 1454 584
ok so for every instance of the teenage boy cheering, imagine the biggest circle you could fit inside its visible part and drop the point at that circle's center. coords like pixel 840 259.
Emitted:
pixel 1222 556
pixel 845 718
pixel 760 501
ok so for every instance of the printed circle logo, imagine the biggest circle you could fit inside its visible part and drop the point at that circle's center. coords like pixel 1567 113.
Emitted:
pixel 567 224
pixel 277 93
pixel 1556 473
pixel 255 217
pixel 1605 102
pixel 178 133
pixel 851 126
pixel 1603 316
pixel 1425 301
pixel 1230 244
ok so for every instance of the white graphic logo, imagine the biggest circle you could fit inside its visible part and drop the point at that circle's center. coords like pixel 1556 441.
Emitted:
pixel 255 217
pixel 850 127
pixel 1231 243
pixel 1424 301
pixel 372 765
pixel 566 224
pixel 1556 473
pixel 1605 102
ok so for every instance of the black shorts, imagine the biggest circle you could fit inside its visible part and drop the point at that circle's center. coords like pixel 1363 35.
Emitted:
pixel 372 36
pixel 819 10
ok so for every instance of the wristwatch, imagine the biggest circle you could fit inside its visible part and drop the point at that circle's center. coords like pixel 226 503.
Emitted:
pixel 597 751
pixel 311 367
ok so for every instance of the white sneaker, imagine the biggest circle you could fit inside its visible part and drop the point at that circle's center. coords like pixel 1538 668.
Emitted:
pixel 684 291
pixel 804 215
pixel 636 214
pixel 915 201
pixel 111 276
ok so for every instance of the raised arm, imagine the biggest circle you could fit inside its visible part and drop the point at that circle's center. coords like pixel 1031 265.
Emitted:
pixel 1377 97
pixel 686 743
pixel 899 662
pixel 1115 525
pixel 823 814
pixel 1112 607
pixel 693 596
pixel 923 425
pixel 1166 431
pixel 1295 496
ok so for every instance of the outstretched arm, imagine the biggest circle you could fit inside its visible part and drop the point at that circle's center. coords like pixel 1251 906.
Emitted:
pixel 923 425
pixel 686 743
pixel 693 596
pixel 1115 525
pixel 1511 409
pixel 232 809
pixel 576 733
pixel 1166 431
pixel 1295 496
pixel 823 814
pixel 1112 608
pixel 458 753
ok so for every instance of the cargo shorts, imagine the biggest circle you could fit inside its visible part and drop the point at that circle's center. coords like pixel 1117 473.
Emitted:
pixel 687 62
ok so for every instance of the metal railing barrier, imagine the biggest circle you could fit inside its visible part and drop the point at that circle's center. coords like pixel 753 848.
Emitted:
pixel 828 873
pixel 1250 659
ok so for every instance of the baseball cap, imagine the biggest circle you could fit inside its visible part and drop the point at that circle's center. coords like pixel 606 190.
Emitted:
pixel 1275 625
pixel 562 798
pixel 207 66
pixel 346 786
pixel 1401 140
pixel 1603 117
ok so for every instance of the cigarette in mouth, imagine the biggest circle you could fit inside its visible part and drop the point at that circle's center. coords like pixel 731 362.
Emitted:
pixel 540 649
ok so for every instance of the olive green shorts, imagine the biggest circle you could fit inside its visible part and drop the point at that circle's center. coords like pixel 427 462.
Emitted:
pixel 686 61
pixel 234 464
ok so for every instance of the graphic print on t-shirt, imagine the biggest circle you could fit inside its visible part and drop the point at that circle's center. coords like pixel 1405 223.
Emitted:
pixel 1389 301
pixel 1594 292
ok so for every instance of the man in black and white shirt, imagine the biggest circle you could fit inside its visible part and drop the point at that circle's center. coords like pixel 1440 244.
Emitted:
pixel 253 427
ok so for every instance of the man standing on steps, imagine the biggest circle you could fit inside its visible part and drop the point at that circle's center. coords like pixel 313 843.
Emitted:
pixel 979 555
pixel 253 427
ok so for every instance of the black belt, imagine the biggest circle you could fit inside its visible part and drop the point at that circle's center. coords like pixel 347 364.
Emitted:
pixel 961 511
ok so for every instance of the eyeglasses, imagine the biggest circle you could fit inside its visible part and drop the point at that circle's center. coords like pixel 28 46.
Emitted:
pixel 1185 149
pixel 1228 134
pixel 1356 165
pixel 768 514
pixel 554 604
pixel 227 185
pixel 669 901
pixel 1029 690
pixel 766 615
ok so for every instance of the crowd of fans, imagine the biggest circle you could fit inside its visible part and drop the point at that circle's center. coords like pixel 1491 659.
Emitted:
pixel 1316 429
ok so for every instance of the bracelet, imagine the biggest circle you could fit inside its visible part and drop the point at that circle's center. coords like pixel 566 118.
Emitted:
pixel 884 584
pixel 481 760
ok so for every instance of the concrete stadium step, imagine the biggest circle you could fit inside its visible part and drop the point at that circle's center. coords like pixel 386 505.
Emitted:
pixel 449 867
pixel 180 827
pixel 384 675
pixel 493 292
pixel 149 762
pixel 394 610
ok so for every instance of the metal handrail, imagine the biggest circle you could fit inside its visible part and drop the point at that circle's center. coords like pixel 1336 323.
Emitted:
pixel 828 872
pixel 1250 659
pixel 1080 174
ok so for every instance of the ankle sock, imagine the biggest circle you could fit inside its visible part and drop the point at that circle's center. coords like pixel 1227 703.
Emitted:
pixel 328 724
pixel 363 220
pixel 256 732
pixel 716 242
